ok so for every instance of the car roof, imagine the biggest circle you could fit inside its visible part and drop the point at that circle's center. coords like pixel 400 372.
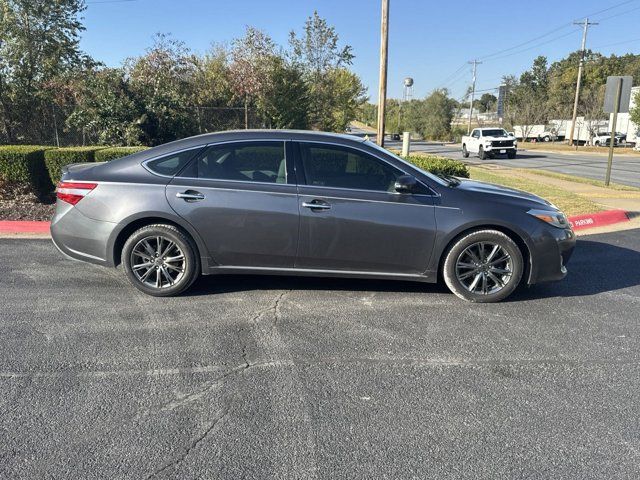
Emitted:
pixel 239 135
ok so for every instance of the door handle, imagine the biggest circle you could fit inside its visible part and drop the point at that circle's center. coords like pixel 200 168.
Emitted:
pixel 315 205
pixel 190 196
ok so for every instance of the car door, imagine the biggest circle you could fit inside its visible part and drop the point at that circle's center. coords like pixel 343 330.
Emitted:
pixel 352 219
pixel 242 199
pixel 475 141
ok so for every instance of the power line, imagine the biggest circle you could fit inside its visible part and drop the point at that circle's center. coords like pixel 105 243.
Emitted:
pixel 573 32
pixel 626 12
pixel 593 14
pixel 499 52
pixel 616 43
pixel 556 29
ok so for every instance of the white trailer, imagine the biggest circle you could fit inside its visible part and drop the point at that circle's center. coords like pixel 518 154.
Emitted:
pixel 624 124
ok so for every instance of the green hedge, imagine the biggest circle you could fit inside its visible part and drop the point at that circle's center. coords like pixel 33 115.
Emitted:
pixel 25 164
pixel 112 153
pixel 440 165
pixel 57 158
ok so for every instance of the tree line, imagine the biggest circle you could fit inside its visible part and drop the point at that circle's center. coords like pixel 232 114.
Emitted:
pixel 50 89
pixel 542 93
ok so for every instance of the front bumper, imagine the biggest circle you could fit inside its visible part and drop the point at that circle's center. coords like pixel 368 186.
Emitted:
pixel 552 250
pixel 78 236
pixel 492 149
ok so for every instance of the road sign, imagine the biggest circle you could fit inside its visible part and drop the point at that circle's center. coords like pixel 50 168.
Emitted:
pixel 612 90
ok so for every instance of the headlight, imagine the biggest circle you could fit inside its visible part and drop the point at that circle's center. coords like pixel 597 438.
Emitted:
pixel 555 218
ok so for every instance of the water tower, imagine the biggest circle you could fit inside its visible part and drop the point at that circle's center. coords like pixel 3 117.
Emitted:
pixel 408 89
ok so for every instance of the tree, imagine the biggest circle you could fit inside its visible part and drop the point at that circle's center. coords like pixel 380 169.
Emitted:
pixel 438 113
pixel 251 56
pixel 38 42
pixel 106 108
pixel 285 100
pixel 323 61
pixel 486 103
pixel 163 81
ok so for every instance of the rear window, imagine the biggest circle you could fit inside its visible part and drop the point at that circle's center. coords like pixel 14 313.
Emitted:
pixel 171 164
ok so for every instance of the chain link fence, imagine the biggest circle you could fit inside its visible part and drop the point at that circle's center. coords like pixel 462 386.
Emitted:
pixel 47 125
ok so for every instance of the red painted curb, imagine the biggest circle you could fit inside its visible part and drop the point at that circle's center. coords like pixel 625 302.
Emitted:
pixel 20 226
pixel 600 219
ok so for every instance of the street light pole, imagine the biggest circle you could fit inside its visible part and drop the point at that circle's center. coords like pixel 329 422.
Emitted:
pixel 585 27
pixel 382 89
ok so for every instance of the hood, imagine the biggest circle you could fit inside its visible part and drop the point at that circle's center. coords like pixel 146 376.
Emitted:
pixel 499 137
pixel 491 189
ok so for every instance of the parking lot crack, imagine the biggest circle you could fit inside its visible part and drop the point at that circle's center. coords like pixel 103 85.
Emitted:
pixel 276 308
pixel 221 414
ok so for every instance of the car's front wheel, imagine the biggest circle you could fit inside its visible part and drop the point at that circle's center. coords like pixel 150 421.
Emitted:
pixel 483 266
pixel 481 153
pixel 160 260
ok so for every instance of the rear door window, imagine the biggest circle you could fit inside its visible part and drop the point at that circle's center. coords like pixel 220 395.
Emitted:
pixel 260 161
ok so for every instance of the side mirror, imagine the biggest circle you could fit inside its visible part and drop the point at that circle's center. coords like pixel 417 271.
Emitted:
pixel 406 184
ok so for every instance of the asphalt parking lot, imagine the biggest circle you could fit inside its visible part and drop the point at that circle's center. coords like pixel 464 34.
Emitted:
pixel 272 377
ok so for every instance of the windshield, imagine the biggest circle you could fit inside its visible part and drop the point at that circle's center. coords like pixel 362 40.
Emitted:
pixel 436 178
pixel 494 132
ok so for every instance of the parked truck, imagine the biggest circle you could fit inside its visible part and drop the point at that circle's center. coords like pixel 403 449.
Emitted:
pixel 489 142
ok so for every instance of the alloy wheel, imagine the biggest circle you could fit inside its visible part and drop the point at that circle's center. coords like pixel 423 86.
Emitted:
pixel 157 262
pixel 484 268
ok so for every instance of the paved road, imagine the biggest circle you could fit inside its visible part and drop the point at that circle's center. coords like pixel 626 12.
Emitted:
pixel 258 377
pixel 626 169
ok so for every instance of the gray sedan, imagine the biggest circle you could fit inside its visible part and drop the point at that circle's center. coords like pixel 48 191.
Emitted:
pixel 303 203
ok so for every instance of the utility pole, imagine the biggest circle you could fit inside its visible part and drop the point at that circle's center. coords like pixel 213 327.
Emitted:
pixel 585 27
pixel 382 89
pixel 475 63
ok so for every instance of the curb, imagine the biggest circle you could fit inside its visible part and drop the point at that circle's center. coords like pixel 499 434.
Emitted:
pixel 599 219
pixel 578 222
pixel 21 226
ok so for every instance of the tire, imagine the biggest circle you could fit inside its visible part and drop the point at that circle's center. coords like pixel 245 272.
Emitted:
pixel 465 152
pixel 472 281
pixel 511 155
pixel 547 138
pixel 145 266
pixel 481 154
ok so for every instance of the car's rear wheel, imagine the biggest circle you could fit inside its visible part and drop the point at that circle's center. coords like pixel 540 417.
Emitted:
pixel 465 152
pixel 483 266
pixel 160 260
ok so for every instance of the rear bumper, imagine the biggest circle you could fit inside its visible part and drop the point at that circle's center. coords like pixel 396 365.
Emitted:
pixel 80 237
pixel 553 248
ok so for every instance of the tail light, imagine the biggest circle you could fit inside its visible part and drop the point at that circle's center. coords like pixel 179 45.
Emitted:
pixel 73 192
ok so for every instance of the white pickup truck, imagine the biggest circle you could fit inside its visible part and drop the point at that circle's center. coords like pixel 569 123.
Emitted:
pixel 488 142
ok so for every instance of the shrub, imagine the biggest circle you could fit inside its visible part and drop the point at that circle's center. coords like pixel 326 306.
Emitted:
pixel 440 165
pixel 57 158
pixel 107 154
pixel 25 164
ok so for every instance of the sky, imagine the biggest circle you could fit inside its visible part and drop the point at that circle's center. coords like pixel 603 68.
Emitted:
pixel 430 41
